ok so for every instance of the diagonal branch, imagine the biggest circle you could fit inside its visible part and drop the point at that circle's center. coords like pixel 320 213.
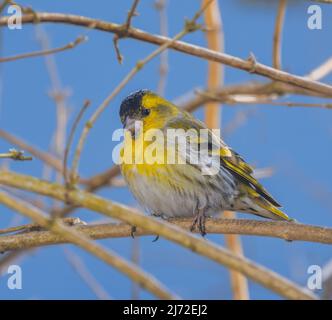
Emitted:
pixel 74 236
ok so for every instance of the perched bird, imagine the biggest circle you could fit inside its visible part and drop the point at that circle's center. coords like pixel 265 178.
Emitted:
pixel 184 189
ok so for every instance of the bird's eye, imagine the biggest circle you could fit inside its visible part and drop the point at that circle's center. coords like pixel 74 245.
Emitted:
pixel 146 112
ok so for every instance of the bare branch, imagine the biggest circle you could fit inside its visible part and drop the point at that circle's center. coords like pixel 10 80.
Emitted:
pixel 131 14
pixel 133 272
pixel 37 237
pixel 125 30
pixel 251 100
pixel 70 140
pixel 251 65
pixel 68 46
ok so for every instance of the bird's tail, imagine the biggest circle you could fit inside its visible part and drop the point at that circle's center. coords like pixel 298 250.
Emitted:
pixel 270 211
pixel 256 204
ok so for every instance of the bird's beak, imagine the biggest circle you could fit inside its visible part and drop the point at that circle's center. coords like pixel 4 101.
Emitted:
pixel 129 124
pixel 132 126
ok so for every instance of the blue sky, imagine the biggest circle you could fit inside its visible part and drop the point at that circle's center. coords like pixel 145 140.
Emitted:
pixel 296 142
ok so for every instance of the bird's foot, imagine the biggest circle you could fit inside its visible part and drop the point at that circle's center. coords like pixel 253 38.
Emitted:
pixel 199 221
pixel 132 232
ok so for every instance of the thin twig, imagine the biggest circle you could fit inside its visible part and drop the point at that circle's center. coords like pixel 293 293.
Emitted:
pixel 163 66
pixel 321 71
pixel 125 30
pixel 70 45
pixel 70 140
pixel 59 96
pixel 49 159
pixel 251 100
pixel 39 154
pixel 87 277
pixel 278 34
pixel 15 155
pixel 284 103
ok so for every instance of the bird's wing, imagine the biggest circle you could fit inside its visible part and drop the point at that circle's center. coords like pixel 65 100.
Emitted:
pixel 229 159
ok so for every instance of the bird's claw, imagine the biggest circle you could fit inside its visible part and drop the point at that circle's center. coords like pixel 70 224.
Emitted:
pixel 160 216
pixel 199 221
pixel 156 238
pixel 132 232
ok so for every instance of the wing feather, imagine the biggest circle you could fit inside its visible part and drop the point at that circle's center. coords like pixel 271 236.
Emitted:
pixel 230 159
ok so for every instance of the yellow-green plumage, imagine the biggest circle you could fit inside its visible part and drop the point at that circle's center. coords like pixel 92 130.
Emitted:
pixel 177 190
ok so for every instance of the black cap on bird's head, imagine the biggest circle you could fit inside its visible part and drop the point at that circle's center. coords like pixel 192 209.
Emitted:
pixel 132 108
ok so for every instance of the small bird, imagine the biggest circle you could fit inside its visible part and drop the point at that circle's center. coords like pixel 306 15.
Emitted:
pixel 181 189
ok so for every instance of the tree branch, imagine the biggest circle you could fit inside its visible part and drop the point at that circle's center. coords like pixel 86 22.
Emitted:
pixel 249 65
pixel 276 229
pixel 147 281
